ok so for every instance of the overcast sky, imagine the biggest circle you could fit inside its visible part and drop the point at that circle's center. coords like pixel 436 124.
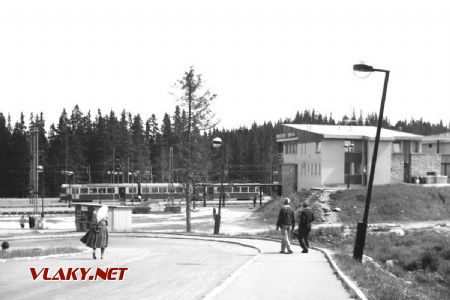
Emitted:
pixel 264 59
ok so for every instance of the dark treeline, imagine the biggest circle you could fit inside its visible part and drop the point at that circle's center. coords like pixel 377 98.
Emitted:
pixel 126 148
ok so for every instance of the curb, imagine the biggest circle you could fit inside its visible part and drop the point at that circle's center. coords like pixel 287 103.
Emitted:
pixel 205 237
pixel 345 280
pixel 85 250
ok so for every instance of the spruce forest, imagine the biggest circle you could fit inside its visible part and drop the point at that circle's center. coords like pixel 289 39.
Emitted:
pixel 123 147
pixel 93 147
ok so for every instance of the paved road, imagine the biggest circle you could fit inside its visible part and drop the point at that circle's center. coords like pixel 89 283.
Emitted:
pixel 180 267
pixel 158 269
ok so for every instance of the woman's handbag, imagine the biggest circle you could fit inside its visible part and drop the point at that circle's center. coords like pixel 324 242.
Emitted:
pixel 85 237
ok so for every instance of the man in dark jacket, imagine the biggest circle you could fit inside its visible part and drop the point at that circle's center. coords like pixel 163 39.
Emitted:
pixel 304 226
pixel 286 221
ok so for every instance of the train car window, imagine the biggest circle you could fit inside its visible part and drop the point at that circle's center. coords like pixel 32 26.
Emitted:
pixel 75 191
pixel 132 190
pixel 63 190
pixel 179 190
pixel 154 190
pixel 145 190
pixel 228 189
pixel 163 190
pixel 111 191
pixel 244 189
pixel 236 189
pixel 83 191
pixel 251 189
pixel 102 190
pixel 93 191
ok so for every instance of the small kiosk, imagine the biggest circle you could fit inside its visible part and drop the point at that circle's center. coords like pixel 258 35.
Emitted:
pixel 119 217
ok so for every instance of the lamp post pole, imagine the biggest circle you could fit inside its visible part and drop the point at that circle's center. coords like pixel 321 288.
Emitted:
pixel 188 185
pixel 40 169
pixel 217 142
pixel 361 228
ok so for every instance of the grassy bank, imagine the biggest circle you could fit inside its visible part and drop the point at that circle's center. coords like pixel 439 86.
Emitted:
pixel 393 203
pixel 270 210
pixel 418 263
pixel 34 252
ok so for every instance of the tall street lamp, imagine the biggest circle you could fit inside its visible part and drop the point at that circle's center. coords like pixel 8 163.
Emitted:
pixel 217 143
pixel 362 226
pixel 188 184
pixel 40 169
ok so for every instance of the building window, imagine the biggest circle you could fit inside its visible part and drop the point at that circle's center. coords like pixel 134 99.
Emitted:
pixel 318 147
pixel 348 146
pixel 416 147
pixel 396 147
pixel 320 167
pixel 290 148
pixel 430 145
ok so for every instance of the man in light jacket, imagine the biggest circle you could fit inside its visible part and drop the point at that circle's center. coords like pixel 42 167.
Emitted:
pixel 286 221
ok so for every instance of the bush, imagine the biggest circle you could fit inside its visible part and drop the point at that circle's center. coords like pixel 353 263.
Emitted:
pixel 411 266
pixel 5 245
pixel 430 261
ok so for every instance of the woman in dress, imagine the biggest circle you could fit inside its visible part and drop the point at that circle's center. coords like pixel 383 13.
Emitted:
pixel 98 237
pixel 22 222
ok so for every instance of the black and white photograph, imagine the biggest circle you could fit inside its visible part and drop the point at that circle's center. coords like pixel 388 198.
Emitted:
pixel 225 149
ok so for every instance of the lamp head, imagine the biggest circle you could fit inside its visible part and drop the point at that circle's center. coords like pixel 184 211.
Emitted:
pixel 217 142
pixel 361 67
pixel 362 70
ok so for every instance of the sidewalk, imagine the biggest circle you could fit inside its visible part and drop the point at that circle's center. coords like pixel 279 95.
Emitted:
pixel 268 275
pixel 271 275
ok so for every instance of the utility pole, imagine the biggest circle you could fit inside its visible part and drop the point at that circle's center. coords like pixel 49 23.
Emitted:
pixel 34 175
pixel 65 140
pixel 188 185
pixel 171 174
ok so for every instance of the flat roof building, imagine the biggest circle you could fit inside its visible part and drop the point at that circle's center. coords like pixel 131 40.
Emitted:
pixel 440 144
pixel 334 155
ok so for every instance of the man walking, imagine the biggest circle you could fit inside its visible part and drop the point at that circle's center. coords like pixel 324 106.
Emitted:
pixel 286 221
pixel 304 226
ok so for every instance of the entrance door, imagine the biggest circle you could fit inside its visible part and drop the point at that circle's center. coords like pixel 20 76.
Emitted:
pixel 407 161
pixel 289 177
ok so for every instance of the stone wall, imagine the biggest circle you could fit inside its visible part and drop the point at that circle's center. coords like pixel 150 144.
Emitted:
pixel 397 168
pixel 289 179
pixel 423 163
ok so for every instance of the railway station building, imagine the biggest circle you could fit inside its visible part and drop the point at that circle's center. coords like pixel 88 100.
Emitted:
pixel 341 155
